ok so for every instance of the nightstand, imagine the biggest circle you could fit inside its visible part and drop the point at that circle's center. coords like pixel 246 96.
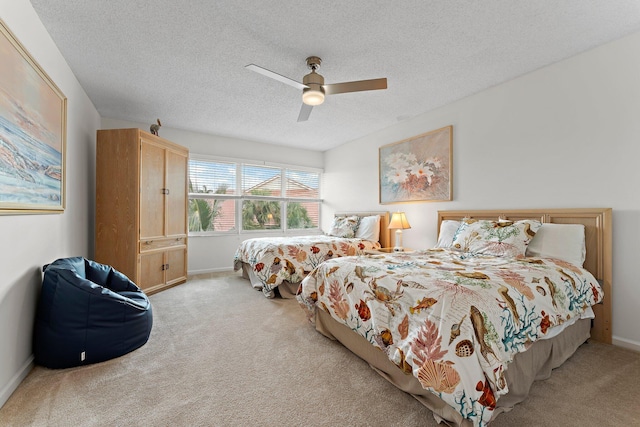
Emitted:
pixel 386 251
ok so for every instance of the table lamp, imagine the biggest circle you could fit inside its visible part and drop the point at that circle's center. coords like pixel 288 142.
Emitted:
pixel 398 222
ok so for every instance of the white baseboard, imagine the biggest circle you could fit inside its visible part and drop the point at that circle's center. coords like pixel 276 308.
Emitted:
pixel 621 342
pixel 210 270
pixel 15 381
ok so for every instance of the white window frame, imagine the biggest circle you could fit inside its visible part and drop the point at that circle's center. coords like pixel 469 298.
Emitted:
pixel 239 197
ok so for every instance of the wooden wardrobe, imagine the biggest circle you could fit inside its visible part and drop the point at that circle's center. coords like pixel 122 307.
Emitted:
pixel 141 207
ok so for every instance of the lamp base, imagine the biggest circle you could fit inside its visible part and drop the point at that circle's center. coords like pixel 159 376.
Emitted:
pixel 398 247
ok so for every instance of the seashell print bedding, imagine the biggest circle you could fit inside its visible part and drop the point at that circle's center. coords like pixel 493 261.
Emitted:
pixel 452 319
pixel 276 259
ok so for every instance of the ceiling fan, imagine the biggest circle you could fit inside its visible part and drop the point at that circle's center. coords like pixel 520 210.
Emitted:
pixel 313 87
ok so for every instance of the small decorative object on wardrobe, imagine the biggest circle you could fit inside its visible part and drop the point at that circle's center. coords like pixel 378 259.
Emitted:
pixel 155 127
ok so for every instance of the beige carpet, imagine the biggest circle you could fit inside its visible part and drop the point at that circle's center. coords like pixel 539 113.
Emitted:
pixel 220 354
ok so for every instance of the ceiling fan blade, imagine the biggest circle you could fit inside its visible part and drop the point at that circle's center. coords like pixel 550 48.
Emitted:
pixel 305 110
pixel 275 76
pixel 357 86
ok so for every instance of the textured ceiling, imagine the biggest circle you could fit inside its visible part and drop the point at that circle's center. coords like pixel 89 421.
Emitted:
pixel 183 61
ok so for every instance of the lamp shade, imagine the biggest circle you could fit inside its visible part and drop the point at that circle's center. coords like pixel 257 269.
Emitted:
pixel 399 220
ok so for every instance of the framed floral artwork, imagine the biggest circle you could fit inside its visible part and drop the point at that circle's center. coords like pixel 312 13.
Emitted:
pixel 418 168
pixel 33 115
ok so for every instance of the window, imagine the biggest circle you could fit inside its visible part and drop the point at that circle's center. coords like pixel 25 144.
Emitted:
pixel 211 196
pixel 303 207
pixel 267 194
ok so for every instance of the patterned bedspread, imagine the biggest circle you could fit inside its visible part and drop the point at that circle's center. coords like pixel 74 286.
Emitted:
pixel 275 259
pixel 452 320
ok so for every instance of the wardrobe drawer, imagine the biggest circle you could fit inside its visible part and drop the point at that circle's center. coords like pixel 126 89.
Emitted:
pixel 159 244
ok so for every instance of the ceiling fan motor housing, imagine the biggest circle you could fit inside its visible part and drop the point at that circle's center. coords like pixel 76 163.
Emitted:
pixel 312 79
pixel 313 94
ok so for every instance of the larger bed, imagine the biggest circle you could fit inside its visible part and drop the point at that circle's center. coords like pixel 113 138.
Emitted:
pixel 467 328
pixel 278 264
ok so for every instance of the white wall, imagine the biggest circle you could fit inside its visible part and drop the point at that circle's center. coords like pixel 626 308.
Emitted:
pixel 30 241
pixel 567 135
pixel 208 254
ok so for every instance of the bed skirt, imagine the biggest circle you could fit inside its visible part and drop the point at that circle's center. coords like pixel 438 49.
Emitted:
pixel 286 289
pixel 534 364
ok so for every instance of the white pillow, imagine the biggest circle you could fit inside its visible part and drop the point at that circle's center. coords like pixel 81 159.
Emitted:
pixel 562 241
pixel 369 228
pixel 448 229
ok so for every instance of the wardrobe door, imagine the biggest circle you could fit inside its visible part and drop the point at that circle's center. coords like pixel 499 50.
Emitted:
pixel 151 271
pixel 177 194
pixel 176 261
pixel 152 190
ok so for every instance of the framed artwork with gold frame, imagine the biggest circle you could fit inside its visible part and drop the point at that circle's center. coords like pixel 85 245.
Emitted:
pixel 33 116
pixel 417 168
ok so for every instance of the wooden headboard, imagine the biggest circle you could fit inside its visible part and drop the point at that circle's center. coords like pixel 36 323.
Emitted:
pixel 385 233
pixel 598 239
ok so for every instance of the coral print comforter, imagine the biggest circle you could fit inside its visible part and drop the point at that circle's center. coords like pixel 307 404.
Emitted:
pixel 452 320
pixel 276 259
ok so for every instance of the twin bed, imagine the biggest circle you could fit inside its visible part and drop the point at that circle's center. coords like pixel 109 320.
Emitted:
pixel 277 265
pixel 467 326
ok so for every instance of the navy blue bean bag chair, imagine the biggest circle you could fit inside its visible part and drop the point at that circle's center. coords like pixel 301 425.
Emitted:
pixel 88 313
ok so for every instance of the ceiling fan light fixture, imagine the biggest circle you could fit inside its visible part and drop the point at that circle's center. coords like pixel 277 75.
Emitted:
pixel 313 96
pixel 313 88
